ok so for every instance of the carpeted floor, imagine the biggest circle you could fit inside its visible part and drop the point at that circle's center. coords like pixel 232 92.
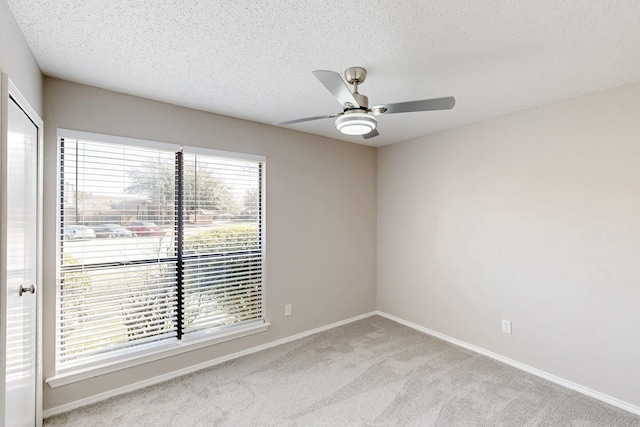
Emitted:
pixel 373 372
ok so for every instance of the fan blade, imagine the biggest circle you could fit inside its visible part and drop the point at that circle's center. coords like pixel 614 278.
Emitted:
pixel 306 119
pixel 334 83
pixel 371 134
pixel 422 105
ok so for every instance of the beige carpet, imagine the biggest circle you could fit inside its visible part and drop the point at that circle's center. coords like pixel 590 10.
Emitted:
pixel 373 372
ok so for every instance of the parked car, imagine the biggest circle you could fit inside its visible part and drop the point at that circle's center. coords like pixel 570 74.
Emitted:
pixel 111 230
pixel 143 228
pixel 78 232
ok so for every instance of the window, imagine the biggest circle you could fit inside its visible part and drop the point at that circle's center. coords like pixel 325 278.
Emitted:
pixel 157 245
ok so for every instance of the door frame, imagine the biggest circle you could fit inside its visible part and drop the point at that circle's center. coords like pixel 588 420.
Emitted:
pixel 8 92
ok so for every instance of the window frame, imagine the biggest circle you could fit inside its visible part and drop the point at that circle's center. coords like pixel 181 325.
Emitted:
pixel 170 347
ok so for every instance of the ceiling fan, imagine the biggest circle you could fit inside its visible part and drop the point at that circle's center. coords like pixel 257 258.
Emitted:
pixel 357 118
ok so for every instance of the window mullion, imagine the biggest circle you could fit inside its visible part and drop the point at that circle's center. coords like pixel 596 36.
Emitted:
pixel 179 194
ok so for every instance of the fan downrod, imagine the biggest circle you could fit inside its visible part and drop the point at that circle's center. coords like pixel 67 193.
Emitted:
pixel 355 76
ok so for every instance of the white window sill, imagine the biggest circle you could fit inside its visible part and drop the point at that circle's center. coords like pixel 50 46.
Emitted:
pixel 160 352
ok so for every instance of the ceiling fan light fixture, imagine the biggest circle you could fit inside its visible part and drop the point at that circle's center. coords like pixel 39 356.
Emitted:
pixel 356 123
pixel 356 117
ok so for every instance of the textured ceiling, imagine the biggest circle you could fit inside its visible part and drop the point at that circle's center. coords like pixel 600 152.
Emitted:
pixel 253 59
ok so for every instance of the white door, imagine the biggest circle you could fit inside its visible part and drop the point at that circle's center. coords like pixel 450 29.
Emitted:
pixel 20 261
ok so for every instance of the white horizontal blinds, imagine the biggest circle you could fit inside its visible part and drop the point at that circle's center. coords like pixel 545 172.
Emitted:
pixel 139 268
pixel 117 275
pixel 223 239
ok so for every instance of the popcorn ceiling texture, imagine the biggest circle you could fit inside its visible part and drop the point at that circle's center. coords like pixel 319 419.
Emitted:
pixel 253 59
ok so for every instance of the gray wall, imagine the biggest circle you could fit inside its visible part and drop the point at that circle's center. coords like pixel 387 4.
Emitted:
pixel 321 217
pixel 533 217
pixel 17 61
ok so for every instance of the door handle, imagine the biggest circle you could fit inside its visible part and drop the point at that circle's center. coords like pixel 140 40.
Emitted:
pixel 31 289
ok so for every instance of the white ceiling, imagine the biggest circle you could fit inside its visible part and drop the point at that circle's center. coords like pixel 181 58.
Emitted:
pixel 253 59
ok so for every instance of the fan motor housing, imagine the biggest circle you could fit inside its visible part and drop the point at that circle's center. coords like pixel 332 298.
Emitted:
pixel 363 101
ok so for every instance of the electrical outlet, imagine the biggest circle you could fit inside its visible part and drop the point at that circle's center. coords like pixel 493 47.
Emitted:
pixel 287 310
pixel 506 326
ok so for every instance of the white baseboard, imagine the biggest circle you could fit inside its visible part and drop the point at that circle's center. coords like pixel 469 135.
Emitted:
pixel 537 372
pixel 171 375
pixel 188 370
